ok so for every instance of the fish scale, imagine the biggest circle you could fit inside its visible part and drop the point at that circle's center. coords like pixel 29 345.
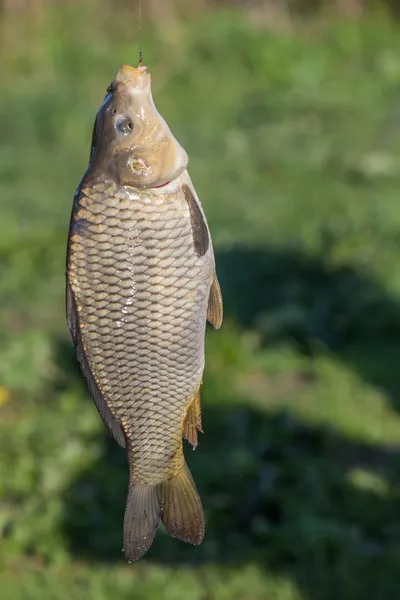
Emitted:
pixel 147 354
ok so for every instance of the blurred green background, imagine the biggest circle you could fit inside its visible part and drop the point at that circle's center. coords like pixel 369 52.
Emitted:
pixel 290 113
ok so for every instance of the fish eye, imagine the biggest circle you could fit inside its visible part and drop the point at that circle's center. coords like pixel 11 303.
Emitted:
pixel 124 125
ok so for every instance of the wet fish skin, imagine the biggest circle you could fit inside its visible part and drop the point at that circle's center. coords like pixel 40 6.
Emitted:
pixel 141 283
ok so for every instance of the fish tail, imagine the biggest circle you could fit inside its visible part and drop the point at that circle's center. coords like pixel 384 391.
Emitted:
pixel 174 501
pixel 142 516
pixel 181 509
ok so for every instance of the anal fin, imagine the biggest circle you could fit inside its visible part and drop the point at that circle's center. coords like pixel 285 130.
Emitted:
pixel 215 305
pixel 192 421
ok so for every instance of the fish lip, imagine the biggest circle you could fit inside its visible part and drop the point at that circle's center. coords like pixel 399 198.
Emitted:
pixel 135 79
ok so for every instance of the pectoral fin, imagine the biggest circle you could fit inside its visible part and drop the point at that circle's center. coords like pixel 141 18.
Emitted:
pixel 192 422
pixel 98 399
pixel 201 238
pixel 215 305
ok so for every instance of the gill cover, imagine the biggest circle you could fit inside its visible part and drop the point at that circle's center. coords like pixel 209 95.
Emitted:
pixel 131 140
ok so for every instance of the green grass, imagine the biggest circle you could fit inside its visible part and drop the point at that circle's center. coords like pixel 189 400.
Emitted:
pixel 294 151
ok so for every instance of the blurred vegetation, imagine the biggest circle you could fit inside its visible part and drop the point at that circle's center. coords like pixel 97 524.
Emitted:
pixel 294 147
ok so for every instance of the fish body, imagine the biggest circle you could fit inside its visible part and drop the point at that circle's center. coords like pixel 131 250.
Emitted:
pixel 141 283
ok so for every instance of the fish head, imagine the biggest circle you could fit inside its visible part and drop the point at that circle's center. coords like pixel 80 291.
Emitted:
pixel 131 139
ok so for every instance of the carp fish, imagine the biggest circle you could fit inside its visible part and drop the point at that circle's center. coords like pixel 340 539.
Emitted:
pixel 141 284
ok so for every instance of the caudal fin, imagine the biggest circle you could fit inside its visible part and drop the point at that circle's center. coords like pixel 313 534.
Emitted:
pixel 142 516
pixel 181 510
pixel 175 502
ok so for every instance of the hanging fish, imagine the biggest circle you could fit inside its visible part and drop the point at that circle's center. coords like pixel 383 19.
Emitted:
pixel 141 283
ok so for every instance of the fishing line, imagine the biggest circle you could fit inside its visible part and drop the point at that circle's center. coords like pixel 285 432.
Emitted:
pixel 140 34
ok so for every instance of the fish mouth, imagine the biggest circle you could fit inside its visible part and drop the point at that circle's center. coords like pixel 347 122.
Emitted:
pixel 136 78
